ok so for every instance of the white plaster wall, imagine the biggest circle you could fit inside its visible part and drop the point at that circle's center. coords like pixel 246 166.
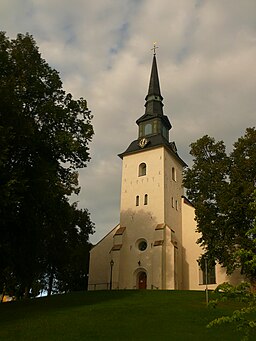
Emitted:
pixel 100 257
pixel 141 221
pixel 169 265
pixel 173 217
pixel 192 251
pixel 173 189
pixel 152 184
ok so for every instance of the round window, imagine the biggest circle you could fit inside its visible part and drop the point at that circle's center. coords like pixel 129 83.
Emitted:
pixel 142 245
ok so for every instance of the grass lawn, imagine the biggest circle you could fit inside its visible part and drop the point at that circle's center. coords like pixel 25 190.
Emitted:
pixel 114 315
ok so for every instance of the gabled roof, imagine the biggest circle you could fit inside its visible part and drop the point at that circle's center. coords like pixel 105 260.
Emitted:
pixel 187 201
pixel 111 231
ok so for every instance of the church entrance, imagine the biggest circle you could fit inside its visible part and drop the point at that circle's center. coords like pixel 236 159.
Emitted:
pixel 142 280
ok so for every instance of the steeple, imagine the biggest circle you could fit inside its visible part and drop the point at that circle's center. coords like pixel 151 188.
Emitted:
pixel 154 105
pixel 154 122
pixel 154 86
pixel 153 126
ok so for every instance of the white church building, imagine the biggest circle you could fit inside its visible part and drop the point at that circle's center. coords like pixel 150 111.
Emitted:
pixel 154 245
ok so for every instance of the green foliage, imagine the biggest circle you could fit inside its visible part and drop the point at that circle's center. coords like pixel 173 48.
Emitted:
pixel 243 318
pixel 44 136
pixel 221 188
pixel 247 256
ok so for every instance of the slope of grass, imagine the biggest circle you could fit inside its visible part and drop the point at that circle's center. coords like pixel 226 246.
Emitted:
pixel 114 315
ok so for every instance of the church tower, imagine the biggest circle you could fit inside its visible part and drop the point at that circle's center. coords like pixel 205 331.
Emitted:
pixel 147 250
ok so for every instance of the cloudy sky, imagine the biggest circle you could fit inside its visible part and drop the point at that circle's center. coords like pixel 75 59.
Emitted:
pixel 102 49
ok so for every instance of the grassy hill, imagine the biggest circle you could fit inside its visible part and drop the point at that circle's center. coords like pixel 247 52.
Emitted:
pixel 114 315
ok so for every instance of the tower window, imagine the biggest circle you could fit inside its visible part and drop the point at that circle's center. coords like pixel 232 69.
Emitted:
pixel 142 169
pixel 148 129
pixel 145 199
pixel 137 200
pixel 165 132
pixel 173 174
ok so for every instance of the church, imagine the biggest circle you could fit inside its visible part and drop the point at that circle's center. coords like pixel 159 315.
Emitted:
pixel 154 245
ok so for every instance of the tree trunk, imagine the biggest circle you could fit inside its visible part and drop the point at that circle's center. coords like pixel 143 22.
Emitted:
pixel 26 292
pixel 2 298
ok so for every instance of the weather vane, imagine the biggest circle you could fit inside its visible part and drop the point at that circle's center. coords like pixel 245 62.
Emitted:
pixel 154 48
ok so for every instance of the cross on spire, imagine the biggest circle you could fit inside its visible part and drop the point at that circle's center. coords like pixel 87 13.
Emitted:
pixel 154 48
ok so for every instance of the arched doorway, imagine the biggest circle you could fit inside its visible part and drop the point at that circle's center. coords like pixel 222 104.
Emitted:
pixel 142 280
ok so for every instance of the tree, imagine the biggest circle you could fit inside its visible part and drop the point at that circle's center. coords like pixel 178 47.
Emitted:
pixel 242 318
pixel 44 136
pixel 221 188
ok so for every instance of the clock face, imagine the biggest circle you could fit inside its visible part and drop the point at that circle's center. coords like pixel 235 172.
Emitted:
pixel 143 142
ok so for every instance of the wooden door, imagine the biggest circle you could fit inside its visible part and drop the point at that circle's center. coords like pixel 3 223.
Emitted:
pixel 142 280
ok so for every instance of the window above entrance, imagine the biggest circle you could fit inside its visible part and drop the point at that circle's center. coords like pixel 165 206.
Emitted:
pixel 142 244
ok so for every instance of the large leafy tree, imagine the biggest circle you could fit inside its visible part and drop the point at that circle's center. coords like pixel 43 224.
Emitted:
pixel 44 136
pixel 221 188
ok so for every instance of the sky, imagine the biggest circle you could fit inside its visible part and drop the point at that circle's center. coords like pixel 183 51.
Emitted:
pixel 102 50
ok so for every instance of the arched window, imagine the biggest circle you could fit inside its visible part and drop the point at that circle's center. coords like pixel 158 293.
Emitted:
pixel 173 174
pixel 148 129
pixel 145 199
pixel 142 169
pixel 137 200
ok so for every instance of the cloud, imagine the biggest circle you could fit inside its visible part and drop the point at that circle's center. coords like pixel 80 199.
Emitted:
pixel 206 57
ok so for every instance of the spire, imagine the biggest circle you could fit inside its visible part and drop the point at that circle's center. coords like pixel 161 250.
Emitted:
pixel 154 86
pixel 154 105
pixel 153 127
pixel 154 122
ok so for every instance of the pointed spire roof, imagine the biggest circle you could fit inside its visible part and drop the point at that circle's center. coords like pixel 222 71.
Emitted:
pixel 154 100
pixel 154 85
